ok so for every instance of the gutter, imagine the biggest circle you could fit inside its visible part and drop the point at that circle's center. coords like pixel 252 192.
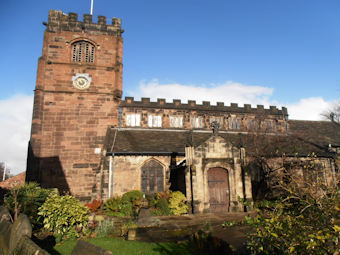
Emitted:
pixel 144 153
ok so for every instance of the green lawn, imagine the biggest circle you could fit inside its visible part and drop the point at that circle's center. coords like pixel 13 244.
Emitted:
pixel 120 246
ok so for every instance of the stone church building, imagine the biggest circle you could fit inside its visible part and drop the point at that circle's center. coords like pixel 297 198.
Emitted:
pixel 88 141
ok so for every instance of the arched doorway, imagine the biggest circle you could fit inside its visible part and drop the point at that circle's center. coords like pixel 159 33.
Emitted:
pixel 218 185
pixel 152 177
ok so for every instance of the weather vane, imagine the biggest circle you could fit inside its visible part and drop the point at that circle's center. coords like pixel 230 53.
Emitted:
pixel 91 7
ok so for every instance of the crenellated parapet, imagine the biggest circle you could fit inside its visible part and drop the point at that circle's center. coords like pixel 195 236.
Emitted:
pixel 59 21
pixel 205 106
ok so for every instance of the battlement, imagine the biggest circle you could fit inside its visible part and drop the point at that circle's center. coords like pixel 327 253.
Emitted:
pixel 205 106
pixel 59 21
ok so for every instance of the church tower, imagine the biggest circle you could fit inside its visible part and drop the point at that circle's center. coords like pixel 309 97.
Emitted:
pixel 78 89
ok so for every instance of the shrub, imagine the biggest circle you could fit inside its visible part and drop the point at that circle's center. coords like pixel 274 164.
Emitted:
pixel 131 202
pixel 295 225
pixel 152 200
pixel 94 205
pixel 127 205
pixel 27 199
pixel 64 215
pixel 132 196
pixel 177 203
pixel 112 206
pixel 164 194
pixel 161 208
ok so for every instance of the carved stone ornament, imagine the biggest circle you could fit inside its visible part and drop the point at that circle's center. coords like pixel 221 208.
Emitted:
pixel 215 127
pixel 81 81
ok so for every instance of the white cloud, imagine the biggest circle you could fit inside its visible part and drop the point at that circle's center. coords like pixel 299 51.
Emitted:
pixel 232 92
pixel 16 111
pixel 15 127
pixel 228 92
pixel 308 108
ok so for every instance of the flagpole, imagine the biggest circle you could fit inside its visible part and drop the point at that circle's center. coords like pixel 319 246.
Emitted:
pixel 4 176
pixel 91 7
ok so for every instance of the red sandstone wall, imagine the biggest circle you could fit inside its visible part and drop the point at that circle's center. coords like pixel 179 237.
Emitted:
pixel 68 123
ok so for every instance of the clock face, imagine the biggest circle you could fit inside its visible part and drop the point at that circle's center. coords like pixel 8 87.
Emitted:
pixel 81 81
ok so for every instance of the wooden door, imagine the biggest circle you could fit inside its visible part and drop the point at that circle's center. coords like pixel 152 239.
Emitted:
pixel 218 184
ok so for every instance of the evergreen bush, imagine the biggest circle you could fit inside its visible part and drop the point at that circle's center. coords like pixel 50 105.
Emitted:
pixel 177 203
pixel 112 206
pixel 64 215
pixel 27 199
pixel 161 208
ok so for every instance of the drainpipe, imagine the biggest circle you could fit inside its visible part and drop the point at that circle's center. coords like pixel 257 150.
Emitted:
pixel 110 177
pixel 111 166
pixel 192 192
pixel 189 155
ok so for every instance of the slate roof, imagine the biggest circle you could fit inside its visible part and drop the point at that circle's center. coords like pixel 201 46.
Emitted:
pixel 303 138
pixel 319 132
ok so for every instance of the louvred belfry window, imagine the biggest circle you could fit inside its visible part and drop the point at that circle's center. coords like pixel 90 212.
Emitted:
pixel 83 51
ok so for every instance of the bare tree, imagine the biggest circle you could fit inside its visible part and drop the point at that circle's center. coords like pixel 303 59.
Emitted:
pixel 333 114
pixel 2 169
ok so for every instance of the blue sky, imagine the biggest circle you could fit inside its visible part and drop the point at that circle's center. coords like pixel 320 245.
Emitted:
pixel 277 52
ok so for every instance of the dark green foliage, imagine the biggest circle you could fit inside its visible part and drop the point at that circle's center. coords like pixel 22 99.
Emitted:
pixel 161 207
pixel 127 205
pixel 132 196
pixel 152 200
pixel 27 199
pixel 130 203
pixel 112 206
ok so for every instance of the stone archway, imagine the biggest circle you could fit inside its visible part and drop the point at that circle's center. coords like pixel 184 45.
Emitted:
pixel 218 186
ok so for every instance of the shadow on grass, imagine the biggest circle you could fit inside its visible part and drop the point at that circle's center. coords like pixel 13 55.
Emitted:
pixel 47 244
pixel 200 243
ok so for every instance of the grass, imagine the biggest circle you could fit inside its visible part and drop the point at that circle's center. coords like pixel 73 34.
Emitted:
pixel 123 247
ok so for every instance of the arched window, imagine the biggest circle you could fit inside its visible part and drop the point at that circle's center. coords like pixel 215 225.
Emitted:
pixel 152 177
pixel 83 51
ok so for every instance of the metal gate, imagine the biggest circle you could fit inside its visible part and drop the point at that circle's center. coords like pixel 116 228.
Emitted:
pixel 218 184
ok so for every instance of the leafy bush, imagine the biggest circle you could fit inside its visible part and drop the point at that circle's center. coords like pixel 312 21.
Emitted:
pixel 298 225
pixel 163 195
pixel 177 203
pixel 131 202
pixel 64 215
pixel 126 208
pixel 27 199
pixel 161 208
pixel 132 196
pixel 152 200
pixel 127 205
pixel 112 206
